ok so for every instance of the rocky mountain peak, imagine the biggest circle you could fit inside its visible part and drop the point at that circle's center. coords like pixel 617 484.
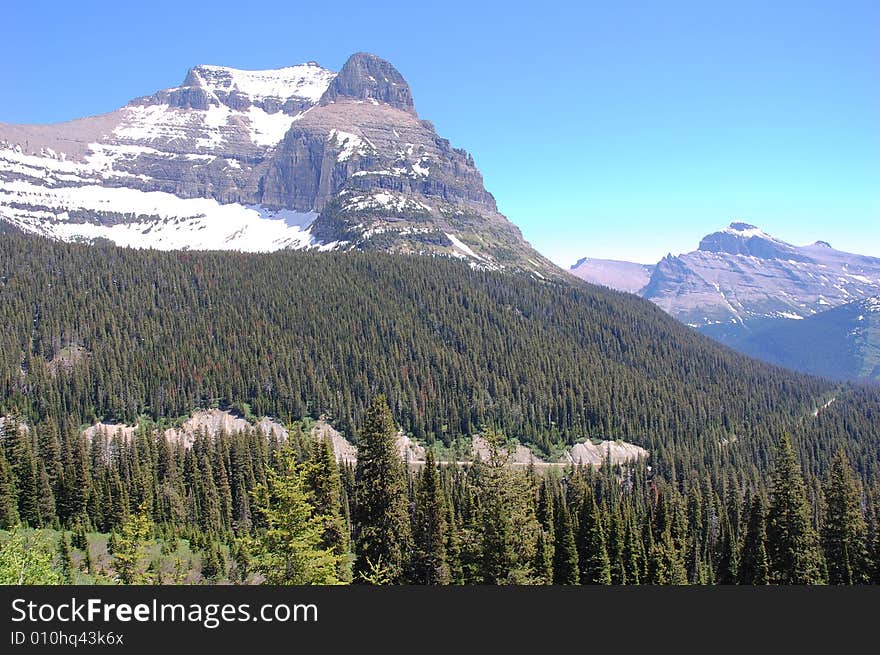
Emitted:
pixel 259 160
pixel 746 239
pixel 738 226
pixel 368 78
pixel 290 89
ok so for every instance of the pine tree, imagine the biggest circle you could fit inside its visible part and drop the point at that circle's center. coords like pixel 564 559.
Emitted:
pixel 46 502
pixel 129 548
pixel 429 565
pixel 665 566
pixel 20 455
pixel 544 546
pixel 325 484
pixel 288 551
pixel 543 565
pixel 508 525
pixel 8 494
pixel 565 554
pixel 213 562
pixel 595 567
pixel 845 533
pixel 792 543
pixel 633 554
pixel 453 545
pixel 615 546
pixel 754 568
pixel 382 527
pixel 65 559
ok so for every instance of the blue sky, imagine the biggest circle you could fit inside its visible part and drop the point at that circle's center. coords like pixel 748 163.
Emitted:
pixel 621 130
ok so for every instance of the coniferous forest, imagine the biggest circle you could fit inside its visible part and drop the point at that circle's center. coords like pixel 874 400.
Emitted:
pixel 756 475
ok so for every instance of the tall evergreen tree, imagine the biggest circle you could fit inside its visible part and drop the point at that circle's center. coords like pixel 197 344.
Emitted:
pixel 793 544
pixel 754 568
pixel 595 566
pixel 508 524
pixel 325 484
pixel 565 554
pixel 65 561
pixel 845 533
pixel 429 565
pixel 382 529
pixel 8 494
pixel 289 550
pixel 22 461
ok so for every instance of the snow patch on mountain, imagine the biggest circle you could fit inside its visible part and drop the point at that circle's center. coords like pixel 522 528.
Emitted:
pixel 155 219
pixel 463 247
pixel 348 143
pixel 306 81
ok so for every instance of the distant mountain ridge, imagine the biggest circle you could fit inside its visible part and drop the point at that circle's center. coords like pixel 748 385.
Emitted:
pixel 841 343
pixel 296 157
pixel 620 275
pixel 743 285
pixel 741 274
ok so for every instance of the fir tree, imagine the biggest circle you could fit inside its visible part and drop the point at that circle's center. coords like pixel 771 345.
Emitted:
pixel 595 567
pixel 754 568
pixel 289 551
pixel 633 554
pixel 565 554
pixel 20 455
pixel 615 546
pixel 508 524
pixel 382 515
pixel 845 533
pixel 8 494
pixel 793 544
pixel 325 484
pixel 213 562
pixel 129 548
pixel 429 565
pixel 65 560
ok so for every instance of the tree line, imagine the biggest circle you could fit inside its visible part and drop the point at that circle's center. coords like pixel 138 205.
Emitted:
pixel 105 333
pixel 285 512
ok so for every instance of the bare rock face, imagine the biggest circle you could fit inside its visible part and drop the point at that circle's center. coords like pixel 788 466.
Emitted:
pixel 365 77
pixel 211 422
pixel 296 157
pixel 618 452
pixel 741 277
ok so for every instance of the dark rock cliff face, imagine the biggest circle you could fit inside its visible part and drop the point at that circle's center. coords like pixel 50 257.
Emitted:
pixel 366 77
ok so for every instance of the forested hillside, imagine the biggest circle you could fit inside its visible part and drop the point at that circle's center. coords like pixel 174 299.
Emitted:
pixel 104 332
pixel 755 474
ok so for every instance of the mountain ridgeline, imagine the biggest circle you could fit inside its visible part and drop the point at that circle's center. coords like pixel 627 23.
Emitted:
pixel 752 291
pixel 298 157
pixel 101 332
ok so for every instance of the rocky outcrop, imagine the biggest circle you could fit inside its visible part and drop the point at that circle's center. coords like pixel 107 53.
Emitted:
pixel 365 77
pixel 211 422
pixel 596 454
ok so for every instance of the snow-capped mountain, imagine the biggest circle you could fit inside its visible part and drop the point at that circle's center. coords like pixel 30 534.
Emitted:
pixel 767 298
pixel 740 275
pixel 297 157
